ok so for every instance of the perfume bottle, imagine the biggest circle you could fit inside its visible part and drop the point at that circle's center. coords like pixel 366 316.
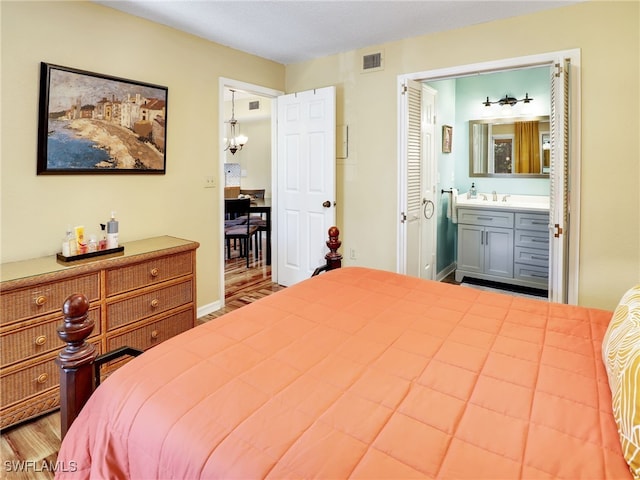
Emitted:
pixel 102 243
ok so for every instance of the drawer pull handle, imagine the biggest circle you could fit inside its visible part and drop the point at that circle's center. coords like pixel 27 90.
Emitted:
pixel 540 275
pixel 537 257
pixel 41 300
pixel 490 219
pixel 42 378
pixel 41 340
pixel 154 334
pixel 154 272
pixel 155 302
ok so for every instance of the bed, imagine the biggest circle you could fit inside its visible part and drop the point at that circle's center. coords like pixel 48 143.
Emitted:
pixel 361 373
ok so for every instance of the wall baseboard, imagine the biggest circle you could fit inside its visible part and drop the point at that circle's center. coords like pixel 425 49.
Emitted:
pixel 445 272
pixel 207 309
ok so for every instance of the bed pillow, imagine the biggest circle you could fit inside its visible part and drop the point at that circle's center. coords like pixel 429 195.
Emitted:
pixel 621 356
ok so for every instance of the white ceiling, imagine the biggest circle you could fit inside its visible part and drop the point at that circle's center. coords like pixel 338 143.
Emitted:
pixel 291 31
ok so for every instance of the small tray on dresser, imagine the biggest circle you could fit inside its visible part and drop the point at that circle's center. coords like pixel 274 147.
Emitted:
pixel 82 256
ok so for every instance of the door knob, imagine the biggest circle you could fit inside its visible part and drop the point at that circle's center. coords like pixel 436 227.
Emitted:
pixel 326 204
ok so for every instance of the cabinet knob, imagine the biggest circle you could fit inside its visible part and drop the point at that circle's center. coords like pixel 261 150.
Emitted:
pixel 41 340
pixel 154 334
pixel 154 272
pixel 42 378
pixel 155 302
pixel 41 300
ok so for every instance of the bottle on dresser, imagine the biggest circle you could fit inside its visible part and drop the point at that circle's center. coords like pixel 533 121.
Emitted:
pixel 112 232
pixel 69 248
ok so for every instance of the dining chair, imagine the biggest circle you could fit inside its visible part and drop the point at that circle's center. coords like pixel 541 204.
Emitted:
pixel 234 208
pixel 255 219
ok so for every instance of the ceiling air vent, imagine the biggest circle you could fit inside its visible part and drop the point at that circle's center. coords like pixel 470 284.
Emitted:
pixel 255 105
pixel 372 62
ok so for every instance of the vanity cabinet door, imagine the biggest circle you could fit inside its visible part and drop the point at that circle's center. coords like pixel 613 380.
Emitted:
pixel 498 252
pixel 471 248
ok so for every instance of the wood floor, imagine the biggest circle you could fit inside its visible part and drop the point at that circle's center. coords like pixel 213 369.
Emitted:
pixel 32 448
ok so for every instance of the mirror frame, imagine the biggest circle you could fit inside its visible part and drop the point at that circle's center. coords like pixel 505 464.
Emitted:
pixel 501 121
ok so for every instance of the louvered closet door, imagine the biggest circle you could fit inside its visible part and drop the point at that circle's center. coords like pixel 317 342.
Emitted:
pixel 413 111
pixel 559 177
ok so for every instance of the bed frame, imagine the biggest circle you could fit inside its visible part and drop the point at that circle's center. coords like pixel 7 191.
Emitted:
pixel 79 362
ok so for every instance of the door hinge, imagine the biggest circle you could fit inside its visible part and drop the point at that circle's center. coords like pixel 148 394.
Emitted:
pixel 558 231
pixel 404 89
pixel 403 217
pixel 558 69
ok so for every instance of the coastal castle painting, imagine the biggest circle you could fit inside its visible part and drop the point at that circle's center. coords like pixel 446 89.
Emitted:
pixel 93 123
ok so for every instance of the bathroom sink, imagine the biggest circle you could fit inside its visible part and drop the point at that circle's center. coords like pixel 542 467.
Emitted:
pixel 512 202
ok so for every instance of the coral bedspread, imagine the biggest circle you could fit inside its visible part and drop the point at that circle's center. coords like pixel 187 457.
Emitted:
pixel 365 374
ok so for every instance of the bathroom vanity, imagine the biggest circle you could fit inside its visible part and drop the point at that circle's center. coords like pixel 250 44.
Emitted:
pixel 504 240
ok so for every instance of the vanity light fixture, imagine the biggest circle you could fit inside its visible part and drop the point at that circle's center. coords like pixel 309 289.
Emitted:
pixel 234 142
pixel 507 100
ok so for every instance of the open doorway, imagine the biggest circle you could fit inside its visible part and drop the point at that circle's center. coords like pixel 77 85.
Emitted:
pixel 565 154
pixel 246 170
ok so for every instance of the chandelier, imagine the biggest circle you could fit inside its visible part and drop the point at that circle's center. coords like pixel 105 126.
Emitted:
pixel 234 142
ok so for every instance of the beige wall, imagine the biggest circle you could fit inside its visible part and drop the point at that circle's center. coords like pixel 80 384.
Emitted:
pixel 607 33
pixel 37 209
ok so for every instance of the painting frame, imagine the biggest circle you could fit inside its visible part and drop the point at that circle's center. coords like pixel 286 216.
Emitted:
pixel 447 138
pixel 93 123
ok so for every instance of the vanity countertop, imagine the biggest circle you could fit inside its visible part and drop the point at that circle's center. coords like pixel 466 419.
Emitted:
pixel 531 203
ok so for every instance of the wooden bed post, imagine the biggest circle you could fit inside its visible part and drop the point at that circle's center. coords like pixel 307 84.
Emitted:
pixel 333 258
pixel 75 360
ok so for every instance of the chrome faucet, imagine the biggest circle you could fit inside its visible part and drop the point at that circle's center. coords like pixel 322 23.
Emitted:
pixel 484 197
pixel 495 196
pixel 504 199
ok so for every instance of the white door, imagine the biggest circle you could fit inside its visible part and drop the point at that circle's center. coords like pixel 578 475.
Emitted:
pixel 559 221
pixel 305 181
pixel 429 217
pixel 417 200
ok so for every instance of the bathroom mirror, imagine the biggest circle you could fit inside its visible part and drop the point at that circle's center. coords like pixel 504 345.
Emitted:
pixel 509 147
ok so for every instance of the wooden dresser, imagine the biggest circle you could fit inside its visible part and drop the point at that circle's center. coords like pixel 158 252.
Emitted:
pixel 138 298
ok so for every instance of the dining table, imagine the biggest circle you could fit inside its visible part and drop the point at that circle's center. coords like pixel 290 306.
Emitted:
pixel 263 205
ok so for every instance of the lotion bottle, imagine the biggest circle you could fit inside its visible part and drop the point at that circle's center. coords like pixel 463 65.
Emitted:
pixel 112 232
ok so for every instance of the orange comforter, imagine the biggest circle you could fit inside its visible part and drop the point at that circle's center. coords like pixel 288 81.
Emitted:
pixel 365 374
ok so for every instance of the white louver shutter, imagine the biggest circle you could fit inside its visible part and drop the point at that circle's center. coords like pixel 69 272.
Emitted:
pixel 559 178
pixel 412 176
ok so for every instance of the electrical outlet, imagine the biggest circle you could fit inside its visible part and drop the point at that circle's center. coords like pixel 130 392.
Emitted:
pixel 352 253
pixel 209 182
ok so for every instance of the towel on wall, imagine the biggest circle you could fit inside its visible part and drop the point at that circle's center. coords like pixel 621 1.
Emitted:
pixel 452 211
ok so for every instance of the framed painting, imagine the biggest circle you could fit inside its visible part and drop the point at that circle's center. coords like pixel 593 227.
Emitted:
pixel 95 123
pixel 447 138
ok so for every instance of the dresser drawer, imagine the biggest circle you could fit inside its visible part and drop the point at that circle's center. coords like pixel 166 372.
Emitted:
pixel 124 279
pixel 532 274
pixel 532 239
pixel 142 306
pixel 489 218
pixel 21 383
pixel 533 221
pixel 29 381
pixel 24 343
pixel 153 333
pixel 531 256
pixel 30 302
